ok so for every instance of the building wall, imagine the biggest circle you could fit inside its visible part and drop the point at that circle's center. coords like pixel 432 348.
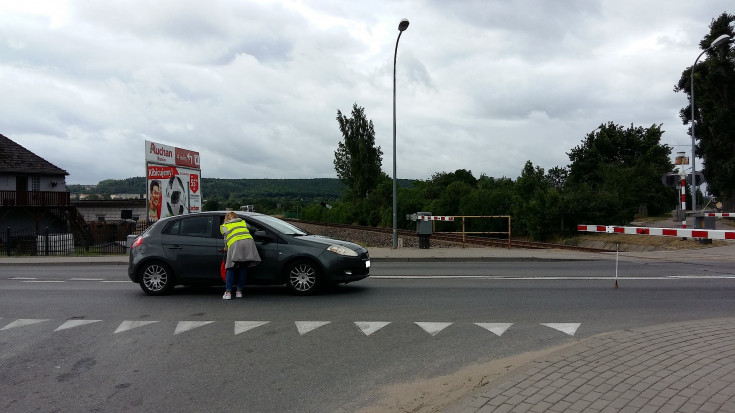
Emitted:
pixel 111 210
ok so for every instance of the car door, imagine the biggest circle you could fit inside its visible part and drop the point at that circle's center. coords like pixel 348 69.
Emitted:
pixel 192 248
pixel 267 271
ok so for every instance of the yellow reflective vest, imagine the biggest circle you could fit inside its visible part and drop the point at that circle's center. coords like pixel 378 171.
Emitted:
pixel 234 231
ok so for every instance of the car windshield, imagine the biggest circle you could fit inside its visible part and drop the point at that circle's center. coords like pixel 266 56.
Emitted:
pixel 281 226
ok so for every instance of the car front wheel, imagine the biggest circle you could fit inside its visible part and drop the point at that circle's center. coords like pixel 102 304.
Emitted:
pixel 303 278
pixel 156 279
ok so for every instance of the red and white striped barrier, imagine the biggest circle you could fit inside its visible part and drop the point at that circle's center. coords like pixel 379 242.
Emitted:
pixel 435 218
pixel 720 214
pixel 667 232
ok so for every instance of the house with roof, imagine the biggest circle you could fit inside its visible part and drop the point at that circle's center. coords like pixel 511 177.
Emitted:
pixel 33 195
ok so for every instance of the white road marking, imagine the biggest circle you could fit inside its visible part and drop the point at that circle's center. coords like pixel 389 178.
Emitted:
pixel 23 322
pixel 129 325
pixel 23 278
pixel 496 328
pixel 86 279
pixel 43 281
pixel 184 326
pixel 366 327
pixel 243 326
pixel 370 327
pixel 433 328
pixel 75 323
pixel 307 326
pixel 567 328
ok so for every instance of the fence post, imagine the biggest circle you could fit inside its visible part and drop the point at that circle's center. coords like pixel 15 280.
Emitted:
pixel 7 242
pixel 509 237
pixel 48 247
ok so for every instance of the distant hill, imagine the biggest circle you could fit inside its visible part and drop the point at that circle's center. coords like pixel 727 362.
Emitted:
pixel 226 188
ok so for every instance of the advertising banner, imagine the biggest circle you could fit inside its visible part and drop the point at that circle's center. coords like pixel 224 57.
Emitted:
pixel 172 181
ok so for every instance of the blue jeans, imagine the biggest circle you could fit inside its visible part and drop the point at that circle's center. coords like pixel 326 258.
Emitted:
pixel 240 271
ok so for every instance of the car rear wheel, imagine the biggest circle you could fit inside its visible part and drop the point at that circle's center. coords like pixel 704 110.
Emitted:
pixel 156 279
pixel 304 278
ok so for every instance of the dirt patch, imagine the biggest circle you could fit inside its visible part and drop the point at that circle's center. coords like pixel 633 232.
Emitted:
pixel 436 394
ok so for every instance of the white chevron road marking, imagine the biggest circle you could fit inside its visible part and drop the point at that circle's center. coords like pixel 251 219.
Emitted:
pixel 433 328
pixel 566 328
pixel 75 323
pixel 307 326
pixel 370 327
pixel 496 328
pixel 243 326
pixel 23 322
pixel 184 326
pixel 129 325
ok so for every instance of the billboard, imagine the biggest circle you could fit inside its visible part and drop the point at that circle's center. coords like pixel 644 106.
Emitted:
pixel 173 177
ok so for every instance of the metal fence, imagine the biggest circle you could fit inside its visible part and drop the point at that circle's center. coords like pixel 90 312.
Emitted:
pixel 103 238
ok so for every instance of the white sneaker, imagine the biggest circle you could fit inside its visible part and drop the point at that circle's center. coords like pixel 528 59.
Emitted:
pixel 227 296
pixel 238 294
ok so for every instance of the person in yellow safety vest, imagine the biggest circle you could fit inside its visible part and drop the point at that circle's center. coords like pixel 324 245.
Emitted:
pixel 241 252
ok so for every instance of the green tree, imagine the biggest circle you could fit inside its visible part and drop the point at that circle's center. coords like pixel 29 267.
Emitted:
pixel 614 171
pixel 536 204
pixel 714 110
pixel 357 160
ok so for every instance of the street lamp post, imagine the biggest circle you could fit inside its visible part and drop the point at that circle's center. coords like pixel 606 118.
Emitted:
pixel 403 25
pixel 718 41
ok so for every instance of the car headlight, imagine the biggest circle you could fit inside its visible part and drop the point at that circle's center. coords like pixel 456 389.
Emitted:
pixel 338 249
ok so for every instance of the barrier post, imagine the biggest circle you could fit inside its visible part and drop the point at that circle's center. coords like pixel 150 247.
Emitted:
pixel 463 233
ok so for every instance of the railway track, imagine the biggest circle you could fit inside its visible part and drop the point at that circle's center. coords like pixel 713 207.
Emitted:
pixel 457 238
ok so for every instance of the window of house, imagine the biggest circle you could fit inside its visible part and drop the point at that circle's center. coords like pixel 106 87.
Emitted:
pixel 35 183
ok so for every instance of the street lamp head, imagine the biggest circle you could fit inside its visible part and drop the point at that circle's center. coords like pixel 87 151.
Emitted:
pixel 403 25
pixel 718 41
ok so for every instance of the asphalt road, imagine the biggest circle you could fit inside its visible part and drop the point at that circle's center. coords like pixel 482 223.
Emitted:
pixel 86 339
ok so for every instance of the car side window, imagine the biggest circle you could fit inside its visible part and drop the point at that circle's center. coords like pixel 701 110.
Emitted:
pixel 196 227
pixel 172 228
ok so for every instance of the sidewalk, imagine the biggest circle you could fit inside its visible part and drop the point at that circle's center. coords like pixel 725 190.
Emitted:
pixel 679 367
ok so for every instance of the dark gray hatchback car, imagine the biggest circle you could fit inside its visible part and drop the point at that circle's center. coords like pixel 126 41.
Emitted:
pixel 187 250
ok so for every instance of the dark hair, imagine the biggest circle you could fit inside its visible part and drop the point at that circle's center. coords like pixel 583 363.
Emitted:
pixel 155 182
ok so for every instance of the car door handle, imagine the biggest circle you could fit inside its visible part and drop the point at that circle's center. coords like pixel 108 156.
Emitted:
pixel 175 247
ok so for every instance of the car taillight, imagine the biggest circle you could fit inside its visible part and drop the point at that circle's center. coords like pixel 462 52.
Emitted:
pixel 136 243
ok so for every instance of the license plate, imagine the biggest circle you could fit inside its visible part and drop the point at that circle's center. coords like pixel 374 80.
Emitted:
pixel 367 264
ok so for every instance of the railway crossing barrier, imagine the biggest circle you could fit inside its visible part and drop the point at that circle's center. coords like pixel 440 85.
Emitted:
pixel 666 232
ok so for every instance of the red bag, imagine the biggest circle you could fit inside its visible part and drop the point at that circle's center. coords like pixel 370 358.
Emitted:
pixel 223 271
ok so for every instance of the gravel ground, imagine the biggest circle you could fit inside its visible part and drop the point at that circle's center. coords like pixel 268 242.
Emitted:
pixel 611 242
pixel 369 238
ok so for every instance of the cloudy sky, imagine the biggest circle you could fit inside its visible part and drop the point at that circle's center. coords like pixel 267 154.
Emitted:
pixel 254 86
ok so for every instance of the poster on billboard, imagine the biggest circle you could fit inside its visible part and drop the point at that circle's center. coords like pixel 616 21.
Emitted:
pixel 172 181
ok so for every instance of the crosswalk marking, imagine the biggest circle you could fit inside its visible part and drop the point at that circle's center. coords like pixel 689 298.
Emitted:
pixel 567 328
pixel 129 325
pixel 307 326
pixel 433 328
pixel 75 323
pixel 23 322
pixel 370 327
pixel 496 328
pixel 243 326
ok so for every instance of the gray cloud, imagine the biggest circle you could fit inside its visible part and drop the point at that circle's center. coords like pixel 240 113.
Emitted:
pixel 255 86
